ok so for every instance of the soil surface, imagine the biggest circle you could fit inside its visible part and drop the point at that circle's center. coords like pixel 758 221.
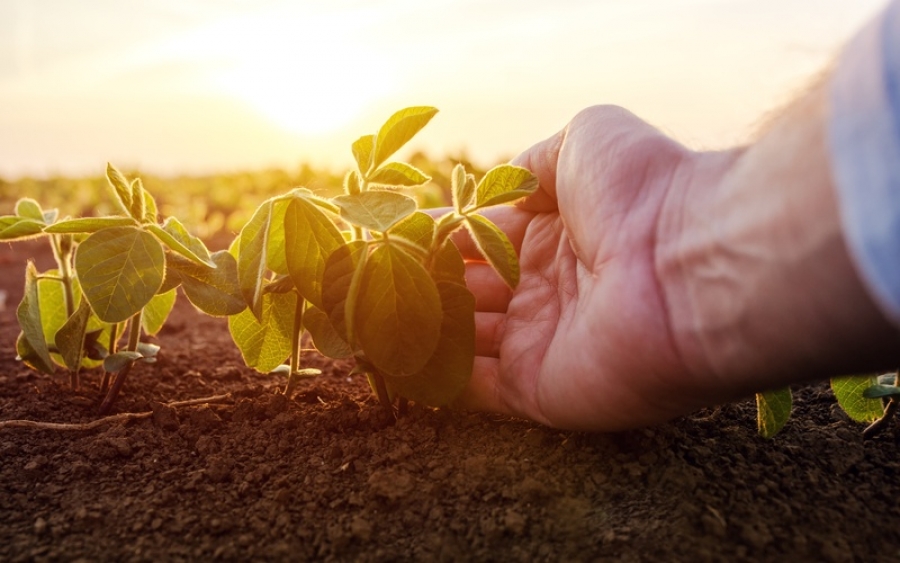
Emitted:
pixel 329 475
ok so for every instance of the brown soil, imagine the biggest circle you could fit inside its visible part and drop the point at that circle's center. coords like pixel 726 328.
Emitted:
pixel 329 475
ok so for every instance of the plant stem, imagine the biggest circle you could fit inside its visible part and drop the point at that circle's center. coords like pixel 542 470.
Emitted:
pixel 296 349
pixel 111 349
pixel 381 390
pixel 890 409
pixel 134 338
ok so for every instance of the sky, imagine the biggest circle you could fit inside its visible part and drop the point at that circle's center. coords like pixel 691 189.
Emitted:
pixel 173 87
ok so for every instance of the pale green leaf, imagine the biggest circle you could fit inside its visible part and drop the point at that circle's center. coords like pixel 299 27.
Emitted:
pixel 138 201
pixel 71 336
pixel 28 208
pixel 215 291
pixel 121 188
pixel 849 393
pixel 398 312
pixel 461 190
pixel 251 257
pixel 362 152
pixel 120 270
pixel 19 228
pixel 310 238
pixel 150 209
pixel 54 309
pixel 177 238
pixel 120 360
pixel 325 337
pixel 418 229
pixel 34 349
pixel 398 174
pixel 503 184
pixel 276 242
pixel 773 409
pixel 375 210
pixel 398 130
pixel 352 183
pixel 157 311
pixel 495 247
pixel 450 367
pixel 88 225
pixel 265 343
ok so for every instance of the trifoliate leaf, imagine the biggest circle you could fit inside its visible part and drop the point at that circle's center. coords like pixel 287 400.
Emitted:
pixel 121 189
pixel 28 208
pixel 375 210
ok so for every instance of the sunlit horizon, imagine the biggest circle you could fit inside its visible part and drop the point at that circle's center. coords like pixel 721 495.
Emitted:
pixel 203 87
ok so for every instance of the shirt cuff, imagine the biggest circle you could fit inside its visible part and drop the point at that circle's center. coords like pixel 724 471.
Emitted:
pixel 864 142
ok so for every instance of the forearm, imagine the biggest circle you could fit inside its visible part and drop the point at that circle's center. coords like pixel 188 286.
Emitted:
pixel 759 283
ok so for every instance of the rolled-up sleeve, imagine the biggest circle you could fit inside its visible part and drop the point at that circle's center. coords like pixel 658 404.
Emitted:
pixel 864 142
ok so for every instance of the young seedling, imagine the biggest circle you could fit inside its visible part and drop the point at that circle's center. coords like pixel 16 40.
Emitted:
pixel 369 276
pixel 112 272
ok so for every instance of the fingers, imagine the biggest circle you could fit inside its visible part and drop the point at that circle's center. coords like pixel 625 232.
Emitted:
pixel 484 392
pixel 489 329
pixel 492 295
pixel 542 160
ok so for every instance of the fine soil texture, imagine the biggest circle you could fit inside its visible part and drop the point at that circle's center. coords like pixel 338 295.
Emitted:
pixel 329 475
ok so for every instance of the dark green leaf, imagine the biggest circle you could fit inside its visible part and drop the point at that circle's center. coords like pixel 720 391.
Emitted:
pixel 496 248
pixel 362 152
pixel 71 336
pixel 157 311
pixel 265 343
pixel 375 210
pixel 773 409
pixel 448 264
pixel 398 312
pixel 121 189
pixel 325 337
pixel 503 184
pixel 215 291
pixel 311 237
pixel 34 344
pixel 450 367
pixel 88 225
pixel 398 130
pixel 398 174
pixel 853 394
pixel 120 270
pixel 338 275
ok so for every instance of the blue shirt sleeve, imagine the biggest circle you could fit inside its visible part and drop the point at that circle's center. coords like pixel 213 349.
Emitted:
pixel 864 142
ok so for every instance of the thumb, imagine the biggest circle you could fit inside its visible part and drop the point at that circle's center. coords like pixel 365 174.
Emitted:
pixel 541 159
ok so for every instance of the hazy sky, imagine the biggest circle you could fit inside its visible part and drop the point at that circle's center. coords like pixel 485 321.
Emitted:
pixel 170 86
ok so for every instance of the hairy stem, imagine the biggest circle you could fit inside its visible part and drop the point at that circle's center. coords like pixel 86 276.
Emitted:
pixel 296 350
pixel 134 338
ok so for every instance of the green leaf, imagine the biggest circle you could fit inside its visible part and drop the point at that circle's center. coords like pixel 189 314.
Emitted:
pixel 362 152
pixel 325 337
pixel 265 343
pixel 338 276
pixel 418 229
pixel 150 209
pixel 70 337
pixel 311 237
pixel 398 312
pixel 54 310
pixel 449 265
pixel 121 188
pixel 852 393
pixel 178 239
pixel 398 130
pixel 18 228
pixel 120 270
pixel 157 311
pixel 88 225
pixel 773 409
pixel 461 190
pixel 28 208
pixel 34 344
pixel 352 183
pixel 503 184
pixel 120 360
pixel 276 244
pixel 251 259
pixel 138 202
pixel 495 247
pixel 215 291
pixel 450 367
pixel 398 174
pixel 375 210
